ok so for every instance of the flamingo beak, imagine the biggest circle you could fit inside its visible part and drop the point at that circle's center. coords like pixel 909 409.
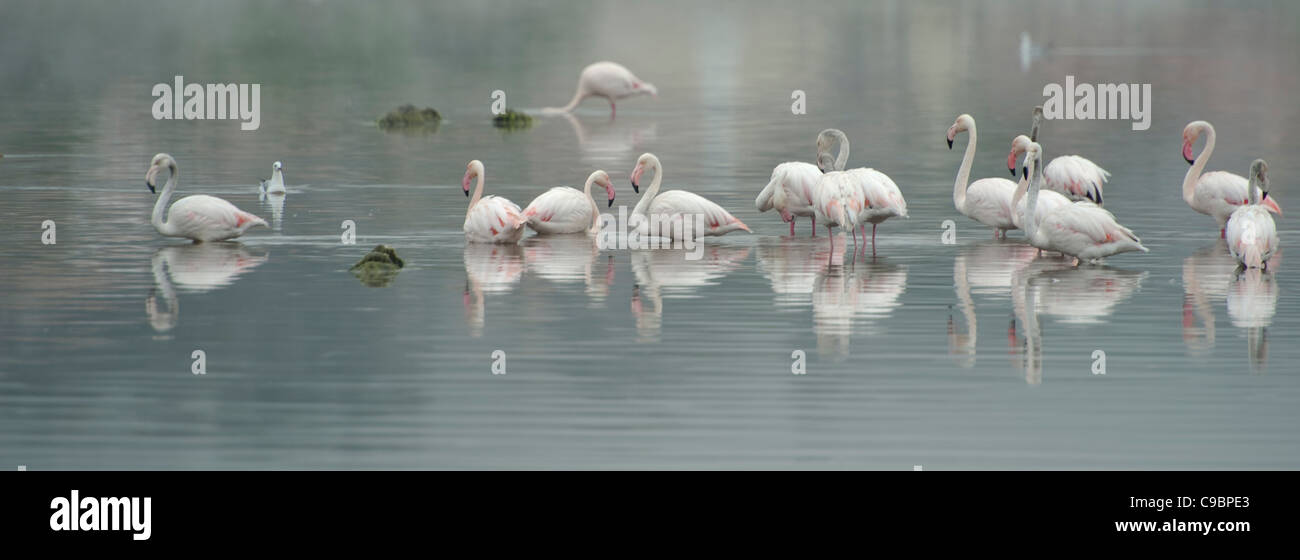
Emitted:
pixel 1187 152
pixel 636 176
pixel 1011 163
pixel 1271 204
pixel 1024 172
pixel 464 184
pixel 609 189
pixel 149 178
pixel 949 143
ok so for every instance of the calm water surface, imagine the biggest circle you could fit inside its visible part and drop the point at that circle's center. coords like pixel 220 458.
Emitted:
pixel 972 355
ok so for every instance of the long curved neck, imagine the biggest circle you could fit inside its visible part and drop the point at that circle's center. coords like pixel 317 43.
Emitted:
pixel 842 159
pixel 1253 188
pixel 650 193
pixel 160 206
pixel 578 96
pixel 595 208
pixel 963 173
pixel 1198 165
pixel 1021 188
pixel 478 193
pixel 1030 226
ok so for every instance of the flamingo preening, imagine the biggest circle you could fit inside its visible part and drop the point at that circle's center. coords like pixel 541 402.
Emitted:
pixel 199 217
pixel 987 201
pixel 798 181
pixel 1217 193
pixel 1250 231
pixel 568 210
pixel 1081 229
pixel 664 211
pixel 856 197
pixel 610 80
pixel 489 219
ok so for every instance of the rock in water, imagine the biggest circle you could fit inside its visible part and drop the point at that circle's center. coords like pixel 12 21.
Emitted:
pixel 512 120
pixel 407 117
pixel 379 267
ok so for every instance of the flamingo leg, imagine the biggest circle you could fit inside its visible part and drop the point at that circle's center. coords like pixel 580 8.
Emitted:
pixel 873 239
pixel 613 111
pixel 814 226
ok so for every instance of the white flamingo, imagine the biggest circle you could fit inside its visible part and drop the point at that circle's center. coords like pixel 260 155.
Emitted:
pixel 199 217
pixel 1075 177
pixel 275 185
pixel 568 210
pixel 1081 230
pixel 1217 193
pixel 1048 201
pixel 1251 233
pixel 610 80
pixel 490 219
pixel 987 201
pixel 838 202
pixel 668 209
pixel 799 181
pixel 881 200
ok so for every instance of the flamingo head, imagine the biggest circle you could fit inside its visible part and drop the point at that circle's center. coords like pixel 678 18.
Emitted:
pixel 646 88
pixel 962 124
pixel 825 162
pixel 646 160
pixel 155 167
pixel 1018 146
pixel 601 178
pixel 472 171
pixel 1033 155
pixel 1190 133
pixel 825 141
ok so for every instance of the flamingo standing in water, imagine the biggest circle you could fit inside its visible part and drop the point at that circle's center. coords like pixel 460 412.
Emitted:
pixel 853 198
pixel 1081 229
pixel 987 201
pixel 199 217
pixel 1217 193
pixel 610 80
pixel 275 185
pixel 490 219
pixel 1251 233
pixel 799 180
pixel 673 207
pixel 1048 201
pixel 838 201
pixel 568 210
pixel 1075 177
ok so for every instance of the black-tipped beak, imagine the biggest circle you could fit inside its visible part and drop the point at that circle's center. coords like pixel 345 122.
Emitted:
pixel 1263 197
pixel 949 143
pixel 611 203
pixel 150 185
pixel 1024 172
pixel 1189 161
pixel 635 188
pixel 466 192
pixel 1012 170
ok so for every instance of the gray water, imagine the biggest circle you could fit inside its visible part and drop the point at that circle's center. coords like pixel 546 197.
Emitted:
pixel 965 356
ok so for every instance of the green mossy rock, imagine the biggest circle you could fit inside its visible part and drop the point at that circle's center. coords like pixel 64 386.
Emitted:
pixel 512 120
pixel 407 117
pixel 379 267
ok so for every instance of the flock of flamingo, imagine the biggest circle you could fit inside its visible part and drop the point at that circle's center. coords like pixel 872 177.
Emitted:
pixel 1066 217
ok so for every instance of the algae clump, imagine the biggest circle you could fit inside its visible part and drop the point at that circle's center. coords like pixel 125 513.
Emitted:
pixel 379 267
pixel 512 120
pixel 407 117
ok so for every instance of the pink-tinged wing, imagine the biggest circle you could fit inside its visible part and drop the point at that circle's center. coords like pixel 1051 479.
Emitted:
pixel 494 217
pixel 200 213
pixel 688 204
pixel 1048 202
pixel 1252 235
pixel 879 191
pixel 1219 193
pixel 609 78
pixel 1084 223
pixel 1077 177
pixel 989 200
pixel 838 199
pixel 560 205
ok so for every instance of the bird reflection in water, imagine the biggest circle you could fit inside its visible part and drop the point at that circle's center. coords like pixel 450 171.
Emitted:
pixel 193 268
pixel 490 268
pixel 666 273
pixel 1211 275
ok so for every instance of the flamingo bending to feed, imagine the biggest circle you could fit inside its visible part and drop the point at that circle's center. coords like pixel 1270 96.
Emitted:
pixel 987 201
pixel 1081 229
pixel 199 217
pixel 610 80
pixel 673 207
pixel 275 185
pixel 1076 177
pixel 1251 233
pixel 1217 193
pixel 489 219
pixel 799 181
pixel 568 210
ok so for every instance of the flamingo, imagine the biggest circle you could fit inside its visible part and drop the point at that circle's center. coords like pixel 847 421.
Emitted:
pixel 838 201
pixel 1250 231
pixel 675 206
pixel 275 185
pixel 799 180
pixel 489 219
pixel 1217 193
pixel 1076 177
pixel 987 201
pixel 1081 230
pixel 568 210
pixel 610 80
pixel 199 217
pixel 1048 201
pixel 881 200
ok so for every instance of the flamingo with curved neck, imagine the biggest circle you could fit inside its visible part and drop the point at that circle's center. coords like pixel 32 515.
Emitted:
pixel 1075 177
pixel 677 205
pixel 1216 193
pixel 1081 230
pixel 987 201
pixel 198 217
pixel 568 210
pixel 610 80
pixel 489 219
pixel 793 187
